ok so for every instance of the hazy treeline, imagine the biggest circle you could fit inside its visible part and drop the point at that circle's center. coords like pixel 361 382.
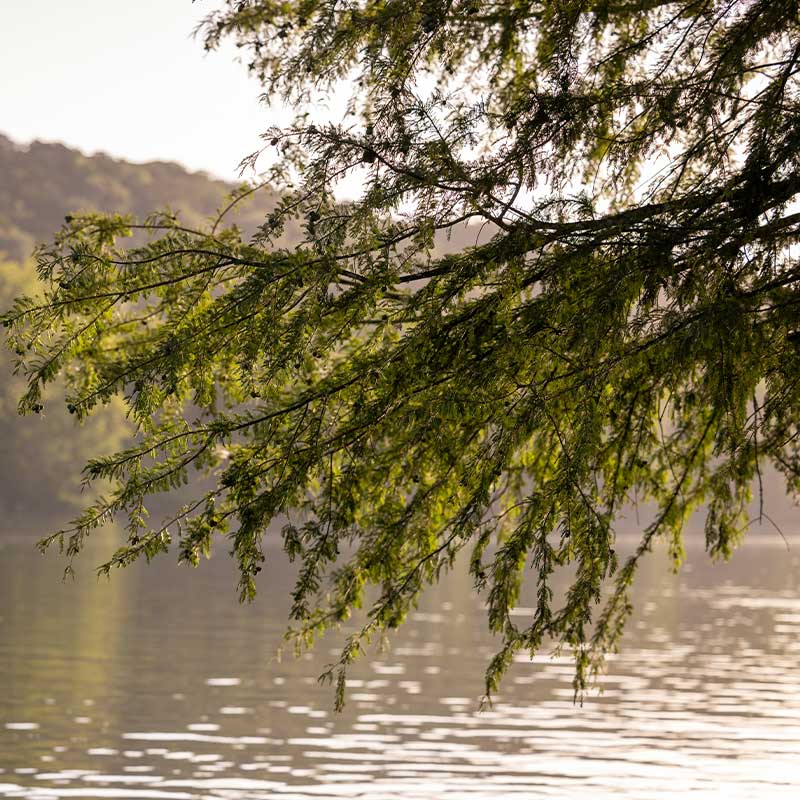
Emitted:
pixel 41 455
pixel 42 182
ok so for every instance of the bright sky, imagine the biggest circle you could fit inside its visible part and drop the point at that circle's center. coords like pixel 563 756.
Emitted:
pixel 128 79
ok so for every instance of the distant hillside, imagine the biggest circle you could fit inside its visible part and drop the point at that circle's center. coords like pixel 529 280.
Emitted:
pixel 41 182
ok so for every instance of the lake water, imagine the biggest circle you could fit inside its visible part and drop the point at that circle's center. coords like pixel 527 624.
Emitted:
pixel 158 684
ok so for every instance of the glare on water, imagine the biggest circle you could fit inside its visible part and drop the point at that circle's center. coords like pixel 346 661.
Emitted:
pixel 158 684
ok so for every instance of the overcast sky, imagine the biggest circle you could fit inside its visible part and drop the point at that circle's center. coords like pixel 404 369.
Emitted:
pixel 128 79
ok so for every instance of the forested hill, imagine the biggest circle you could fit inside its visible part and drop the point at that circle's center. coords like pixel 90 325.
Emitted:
pixel 41 182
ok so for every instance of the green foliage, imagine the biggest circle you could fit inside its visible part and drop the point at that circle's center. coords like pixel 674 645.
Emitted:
pixel 629 331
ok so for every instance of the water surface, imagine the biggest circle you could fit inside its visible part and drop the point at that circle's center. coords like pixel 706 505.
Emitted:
pixel 158 684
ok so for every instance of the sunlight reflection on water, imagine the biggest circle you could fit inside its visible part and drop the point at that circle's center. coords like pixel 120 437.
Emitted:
pixel 158 685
